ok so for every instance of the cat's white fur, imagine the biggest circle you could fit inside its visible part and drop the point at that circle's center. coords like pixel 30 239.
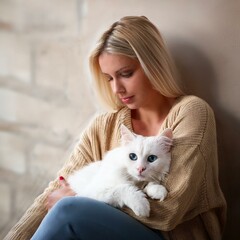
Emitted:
pixel 114 180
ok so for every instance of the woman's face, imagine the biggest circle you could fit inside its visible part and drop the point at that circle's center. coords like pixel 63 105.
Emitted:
pixel 127 80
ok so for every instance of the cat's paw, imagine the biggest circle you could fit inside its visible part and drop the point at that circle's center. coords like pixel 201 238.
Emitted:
pixel 140 206
pixel 156 191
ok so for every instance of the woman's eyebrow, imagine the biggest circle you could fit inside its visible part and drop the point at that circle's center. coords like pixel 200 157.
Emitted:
pixel 123 68
pixel 117 72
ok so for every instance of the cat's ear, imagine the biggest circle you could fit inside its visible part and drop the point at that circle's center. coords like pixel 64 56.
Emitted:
pixel 126 135
pixel 166 139
pixel 167 133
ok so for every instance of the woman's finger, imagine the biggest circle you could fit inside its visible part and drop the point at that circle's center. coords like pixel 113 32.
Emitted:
pixel 63 182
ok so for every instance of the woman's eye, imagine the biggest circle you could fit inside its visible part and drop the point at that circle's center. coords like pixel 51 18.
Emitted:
pixel 109 79
pixel 152 158
pixel 127 74
pixel 133 156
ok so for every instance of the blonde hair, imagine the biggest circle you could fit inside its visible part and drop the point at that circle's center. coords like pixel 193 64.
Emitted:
pixel 135 37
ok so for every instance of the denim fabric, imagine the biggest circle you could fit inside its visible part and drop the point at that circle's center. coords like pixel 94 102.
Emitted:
pixel 87 219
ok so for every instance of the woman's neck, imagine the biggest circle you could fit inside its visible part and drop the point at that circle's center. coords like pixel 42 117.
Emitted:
pixel 147 121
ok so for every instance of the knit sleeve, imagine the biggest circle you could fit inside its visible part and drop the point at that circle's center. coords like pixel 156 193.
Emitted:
pixel 85 151
pixel 194 151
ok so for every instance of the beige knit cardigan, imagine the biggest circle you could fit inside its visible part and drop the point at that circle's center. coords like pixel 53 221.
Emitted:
pixel 195 207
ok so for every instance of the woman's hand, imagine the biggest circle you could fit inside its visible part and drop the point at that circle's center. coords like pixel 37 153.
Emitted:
pixel 58 194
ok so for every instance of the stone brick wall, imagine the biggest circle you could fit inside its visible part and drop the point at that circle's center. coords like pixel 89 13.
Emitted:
pixel 45 96
pixel 45 89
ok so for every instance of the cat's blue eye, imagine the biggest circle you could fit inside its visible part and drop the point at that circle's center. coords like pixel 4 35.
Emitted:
pixel 133 156
pixel 152 158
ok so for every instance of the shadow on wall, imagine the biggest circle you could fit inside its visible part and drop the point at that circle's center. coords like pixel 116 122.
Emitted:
pixel 199 76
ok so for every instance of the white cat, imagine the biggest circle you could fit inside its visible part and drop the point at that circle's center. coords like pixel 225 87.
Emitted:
pixel 114 180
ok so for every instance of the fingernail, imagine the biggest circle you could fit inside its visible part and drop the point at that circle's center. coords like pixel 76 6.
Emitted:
pixel 61 178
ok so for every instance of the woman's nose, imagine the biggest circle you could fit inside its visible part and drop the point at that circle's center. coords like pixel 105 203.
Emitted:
pixel 117 87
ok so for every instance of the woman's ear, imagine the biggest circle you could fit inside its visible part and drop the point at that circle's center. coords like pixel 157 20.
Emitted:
pixel 126 135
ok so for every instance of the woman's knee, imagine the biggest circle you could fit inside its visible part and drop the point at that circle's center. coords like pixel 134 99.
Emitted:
pixel 66 203
pixel 66 208
pixel 72 206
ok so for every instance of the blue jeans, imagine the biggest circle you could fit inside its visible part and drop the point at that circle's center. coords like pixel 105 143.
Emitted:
pixel 88 219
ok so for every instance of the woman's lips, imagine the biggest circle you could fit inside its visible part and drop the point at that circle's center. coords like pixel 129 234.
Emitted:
pixel 127 100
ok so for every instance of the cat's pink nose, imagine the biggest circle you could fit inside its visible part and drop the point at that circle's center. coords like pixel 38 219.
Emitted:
pixel 140 169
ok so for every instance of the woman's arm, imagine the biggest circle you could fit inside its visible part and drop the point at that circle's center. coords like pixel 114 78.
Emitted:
pixel 81 155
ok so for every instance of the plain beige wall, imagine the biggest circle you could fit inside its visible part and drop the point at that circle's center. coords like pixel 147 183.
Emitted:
pixel 43 68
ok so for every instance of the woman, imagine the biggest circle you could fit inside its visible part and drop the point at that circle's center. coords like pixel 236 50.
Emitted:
pixel 135 79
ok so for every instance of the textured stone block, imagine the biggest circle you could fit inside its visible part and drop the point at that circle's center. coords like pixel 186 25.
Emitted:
pixel 10 15
pixel 29 187
pixel 12 153
pixel 15 56
pixel 46 160
pixel 5 203
pixel 61 120
pixel 53 62
pixel 20 107
pixel 51 17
